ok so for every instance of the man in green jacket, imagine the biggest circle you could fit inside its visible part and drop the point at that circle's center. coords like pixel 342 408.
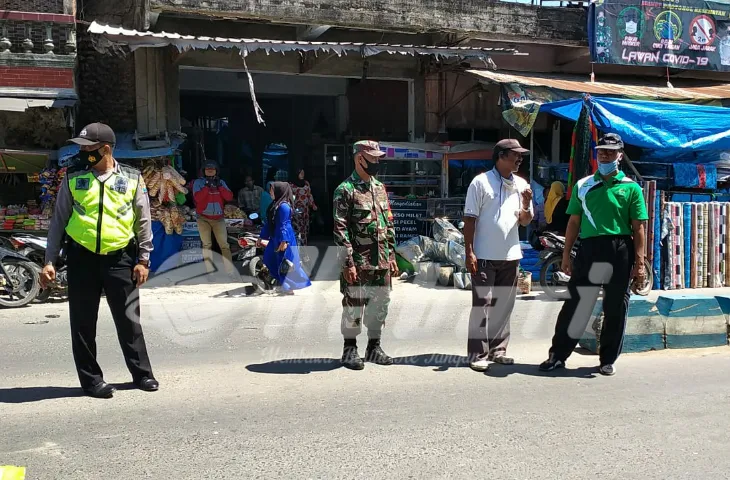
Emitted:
pixel 609 211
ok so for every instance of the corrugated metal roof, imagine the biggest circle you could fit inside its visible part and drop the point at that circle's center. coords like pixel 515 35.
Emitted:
pixel 160 39
pixel 640 88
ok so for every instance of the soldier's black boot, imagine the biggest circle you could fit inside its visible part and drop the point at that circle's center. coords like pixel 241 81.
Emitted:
pixel 350 358
pixel 375 353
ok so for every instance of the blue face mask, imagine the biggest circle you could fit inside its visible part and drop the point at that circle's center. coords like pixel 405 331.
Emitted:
pixel 607 168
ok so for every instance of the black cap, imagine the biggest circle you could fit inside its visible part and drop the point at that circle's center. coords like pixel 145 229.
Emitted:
pixel 610 141
pixel 510 144
pixel 95 133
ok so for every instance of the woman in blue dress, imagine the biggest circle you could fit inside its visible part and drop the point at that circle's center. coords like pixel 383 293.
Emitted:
pixel 282 247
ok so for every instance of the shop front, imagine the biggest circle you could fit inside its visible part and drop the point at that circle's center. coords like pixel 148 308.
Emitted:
pixel 238 99
pixel 33 124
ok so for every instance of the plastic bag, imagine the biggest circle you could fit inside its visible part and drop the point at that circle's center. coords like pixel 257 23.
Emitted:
pixel 462 281
pixel 410 250
pixel 435 251
pixel 456 254
pixel 444 231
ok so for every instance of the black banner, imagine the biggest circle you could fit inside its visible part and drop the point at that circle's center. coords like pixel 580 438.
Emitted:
pixel 408 218
pixel 687 34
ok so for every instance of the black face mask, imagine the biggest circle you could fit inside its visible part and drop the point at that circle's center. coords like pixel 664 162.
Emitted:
pixel 371 169
pixel 93 157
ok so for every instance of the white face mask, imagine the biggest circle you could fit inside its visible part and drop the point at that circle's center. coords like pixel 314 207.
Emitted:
pixel 631 27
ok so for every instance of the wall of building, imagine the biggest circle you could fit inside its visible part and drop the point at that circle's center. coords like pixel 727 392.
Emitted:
pixel 106 79
pixel 492 20
pixel 45 6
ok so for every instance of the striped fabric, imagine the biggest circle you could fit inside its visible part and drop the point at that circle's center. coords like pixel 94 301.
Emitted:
pixel 651 196
pixel 711 221
pixel 669 272
pixel 701 279
pixel 694 276
pixel 687 244
pixel 705 245
pixel 677 246
pixel 715 246
pixel 725 240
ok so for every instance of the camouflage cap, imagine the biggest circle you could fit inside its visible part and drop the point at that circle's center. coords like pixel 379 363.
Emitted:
pixel 368 146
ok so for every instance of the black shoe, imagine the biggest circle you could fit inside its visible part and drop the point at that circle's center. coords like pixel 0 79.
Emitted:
pixel 100 390
pixel 607 370
pixel 551 364
pixel 148 384
pixel 375 354
pixel 351 359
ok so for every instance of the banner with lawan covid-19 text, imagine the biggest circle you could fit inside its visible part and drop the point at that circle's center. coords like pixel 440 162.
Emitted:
pixel 686 34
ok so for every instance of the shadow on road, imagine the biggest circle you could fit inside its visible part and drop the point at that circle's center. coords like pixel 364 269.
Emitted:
pixel 440 362
pixel 37 394
pixel 296 366
pixel 503 371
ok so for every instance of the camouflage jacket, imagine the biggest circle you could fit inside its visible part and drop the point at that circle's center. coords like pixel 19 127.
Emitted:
pixel 363 224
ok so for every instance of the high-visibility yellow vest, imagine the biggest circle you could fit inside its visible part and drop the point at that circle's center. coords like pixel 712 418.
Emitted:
pixel 103 212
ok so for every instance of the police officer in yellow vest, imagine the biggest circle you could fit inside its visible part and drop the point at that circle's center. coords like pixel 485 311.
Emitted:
pixel 103 212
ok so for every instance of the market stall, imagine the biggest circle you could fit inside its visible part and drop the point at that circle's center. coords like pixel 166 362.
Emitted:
pixel 684 170
pixel 420 176
pixel 27 189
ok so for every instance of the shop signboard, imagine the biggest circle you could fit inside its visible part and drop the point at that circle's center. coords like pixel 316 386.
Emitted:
pixel 408 217
pixel 686 34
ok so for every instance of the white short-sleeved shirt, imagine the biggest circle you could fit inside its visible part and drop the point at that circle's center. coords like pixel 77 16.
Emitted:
pixel 496 207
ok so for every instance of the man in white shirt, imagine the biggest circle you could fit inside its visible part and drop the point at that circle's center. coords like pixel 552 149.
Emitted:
pixel 497 203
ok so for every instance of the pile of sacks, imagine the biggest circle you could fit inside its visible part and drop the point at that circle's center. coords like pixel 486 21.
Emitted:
pixel 441 259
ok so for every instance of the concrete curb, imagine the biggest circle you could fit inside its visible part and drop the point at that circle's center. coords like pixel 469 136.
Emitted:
pixel 670 322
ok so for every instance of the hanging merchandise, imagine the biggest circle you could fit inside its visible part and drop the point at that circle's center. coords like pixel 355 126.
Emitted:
pixel 172 217
pixel 164 183
pixel 582 154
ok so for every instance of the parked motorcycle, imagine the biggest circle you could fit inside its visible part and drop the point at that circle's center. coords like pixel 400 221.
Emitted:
pixel 251 256
pixel 34 248
pixel 554 281
pixel 19 279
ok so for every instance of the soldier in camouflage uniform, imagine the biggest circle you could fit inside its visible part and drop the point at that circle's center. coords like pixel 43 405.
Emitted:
pixel 364 232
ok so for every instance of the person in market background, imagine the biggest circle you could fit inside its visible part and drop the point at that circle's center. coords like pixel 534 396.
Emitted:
pixel 249 197
pixel 281 255
pixel 210 195
pixel 365 235
pixel 303 202
pixel 497 203
pixel 266 198
pixel 556 207
pixel 608 210
pixel 103 209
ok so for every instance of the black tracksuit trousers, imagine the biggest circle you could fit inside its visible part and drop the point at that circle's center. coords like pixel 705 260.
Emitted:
pixel 601 261
pixel 88 274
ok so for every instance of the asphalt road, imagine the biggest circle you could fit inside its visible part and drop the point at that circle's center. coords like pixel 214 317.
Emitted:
pixel 227 409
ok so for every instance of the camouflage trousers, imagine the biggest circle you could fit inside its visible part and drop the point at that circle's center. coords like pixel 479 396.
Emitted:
pixel 365 302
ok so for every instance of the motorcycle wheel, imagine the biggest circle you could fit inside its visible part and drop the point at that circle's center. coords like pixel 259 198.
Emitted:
pixel 547 282
pixel 259 273
pixel 26 283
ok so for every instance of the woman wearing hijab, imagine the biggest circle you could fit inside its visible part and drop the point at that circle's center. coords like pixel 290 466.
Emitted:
pixel 303 201
pixel 281 255
pixel 555 209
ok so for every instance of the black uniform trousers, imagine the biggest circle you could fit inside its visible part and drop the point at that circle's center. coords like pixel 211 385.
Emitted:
pixel 88 274
pixel 601 261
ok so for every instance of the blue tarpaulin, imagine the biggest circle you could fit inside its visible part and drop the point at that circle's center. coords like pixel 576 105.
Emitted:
pixel 164 247
pixel 125 149
pixel 664 126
